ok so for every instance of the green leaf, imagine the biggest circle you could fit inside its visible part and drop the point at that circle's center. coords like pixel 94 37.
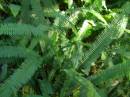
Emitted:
pixel 127 30
pixel 84 30
pixel 14 9
pixel 70 3
pixel 1 7
pixel 87 1
pixel 97 5
pixel 99 16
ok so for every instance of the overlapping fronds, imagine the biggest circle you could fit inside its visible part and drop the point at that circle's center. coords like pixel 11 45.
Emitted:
pixel 20 77
pixel 23 73
pixel 48 47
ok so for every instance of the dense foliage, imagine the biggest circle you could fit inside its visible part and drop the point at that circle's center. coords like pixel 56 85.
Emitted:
pixel 64 48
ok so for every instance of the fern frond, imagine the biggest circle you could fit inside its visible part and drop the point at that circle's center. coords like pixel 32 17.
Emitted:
pixel 20 76
pixel 11 60
pixel 13 29
pixel 117 71
pixel 114 29
pixel 15 52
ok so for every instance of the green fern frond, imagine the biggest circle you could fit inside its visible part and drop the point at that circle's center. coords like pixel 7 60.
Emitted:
pixel 20 76
pixel 114 29
pixel 13 29
pixel 117 71
pixel 15 52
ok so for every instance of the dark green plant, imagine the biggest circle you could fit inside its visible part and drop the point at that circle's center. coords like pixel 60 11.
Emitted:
pixel 63 48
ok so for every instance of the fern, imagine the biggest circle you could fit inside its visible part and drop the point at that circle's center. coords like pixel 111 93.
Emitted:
pixel 117 71
pixel 16 52
pixel 20 77
pixel 111 32
pixel 13 29
pixel 31 64
pixel 51 33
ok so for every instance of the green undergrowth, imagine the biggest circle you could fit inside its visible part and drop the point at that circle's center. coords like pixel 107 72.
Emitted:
pixel 64 48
